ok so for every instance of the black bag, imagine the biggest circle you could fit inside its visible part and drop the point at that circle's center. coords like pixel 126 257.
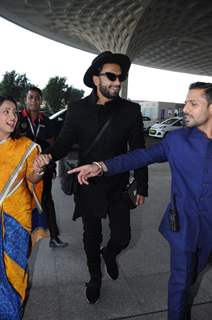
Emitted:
pixel 130 193
pixel 68 181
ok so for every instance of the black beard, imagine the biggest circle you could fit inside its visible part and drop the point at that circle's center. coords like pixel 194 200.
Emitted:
pixel 106 93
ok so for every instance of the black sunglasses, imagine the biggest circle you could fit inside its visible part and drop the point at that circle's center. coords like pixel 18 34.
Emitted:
pixel 112 76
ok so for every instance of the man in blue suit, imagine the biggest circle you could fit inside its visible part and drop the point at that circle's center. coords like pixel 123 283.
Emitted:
pixel 187 221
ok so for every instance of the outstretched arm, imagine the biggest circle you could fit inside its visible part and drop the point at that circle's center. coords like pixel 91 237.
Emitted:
pixel 125 162
pixel 88 171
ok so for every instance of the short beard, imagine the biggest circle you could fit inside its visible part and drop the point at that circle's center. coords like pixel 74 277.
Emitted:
pixel 107 94
pixel 186 124
pixel 192 123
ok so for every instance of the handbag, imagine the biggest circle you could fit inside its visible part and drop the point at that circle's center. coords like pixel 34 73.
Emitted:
pixel 130 192
pixel 69 182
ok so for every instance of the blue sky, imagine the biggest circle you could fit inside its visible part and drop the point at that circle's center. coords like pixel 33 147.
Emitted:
pixel 41 58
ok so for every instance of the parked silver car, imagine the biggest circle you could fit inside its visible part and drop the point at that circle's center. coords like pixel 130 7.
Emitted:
pixel 148 122
pixel 159 130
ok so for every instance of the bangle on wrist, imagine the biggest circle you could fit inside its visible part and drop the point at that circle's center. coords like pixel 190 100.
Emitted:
pixel 39 173
pixel 100 167
pixel 104 167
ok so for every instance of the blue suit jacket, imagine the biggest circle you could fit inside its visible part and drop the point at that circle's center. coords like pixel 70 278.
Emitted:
pixel 189 153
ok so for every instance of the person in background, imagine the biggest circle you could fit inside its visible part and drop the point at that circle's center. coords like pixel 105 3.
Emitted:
pixel 35 125
pixel 19 181
pixel 187 222
pixel 104 197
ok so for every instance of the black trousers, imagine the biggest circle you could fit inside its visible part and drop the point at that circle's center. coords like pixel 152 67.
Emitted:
pixel 120 233
pixel 48 204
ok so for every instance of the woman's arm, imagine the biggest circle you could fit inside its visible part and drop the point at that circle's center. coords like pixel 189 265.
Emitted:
pixel 35 177
pixel 36 167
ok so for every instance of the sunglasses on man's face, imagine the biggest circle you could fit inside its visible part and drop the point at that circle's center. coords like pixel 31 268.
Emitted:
pixel 112 76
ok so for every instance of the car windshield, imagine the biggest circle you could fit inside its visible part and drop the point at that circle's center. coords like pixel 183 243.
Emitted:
pixel 169 121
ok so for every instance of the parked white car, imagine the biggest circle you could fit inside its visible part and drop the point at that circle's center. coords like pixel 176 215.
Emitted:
pixel 159 130
pixel 148 122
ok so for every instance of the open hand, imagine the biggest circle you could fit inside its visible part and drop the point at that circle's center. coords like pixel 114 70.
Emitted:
pixel 85 172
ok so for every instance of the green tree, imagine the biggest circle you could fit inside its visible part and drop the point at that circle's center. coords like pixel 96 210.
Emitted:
pixel 54 93
pixel 57 94
pixel 73 94
pixel 15 85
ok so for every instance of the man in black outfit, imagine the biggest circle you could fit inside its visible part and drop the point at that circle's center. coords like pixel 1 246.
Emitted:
pixel 36 126
pixel 104 196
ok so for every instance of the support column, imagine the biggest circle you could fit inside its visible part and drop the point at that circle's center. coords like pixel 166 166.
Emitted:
pixel 124 89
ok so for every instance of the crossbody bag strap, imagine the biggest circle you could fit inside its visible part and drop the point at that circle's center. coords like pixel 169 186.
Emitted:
pixel 98 136
pixel 10 182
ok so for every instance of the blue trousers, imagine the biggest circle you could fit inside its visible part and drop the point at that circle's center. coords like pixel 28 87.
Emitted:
pixel 185 269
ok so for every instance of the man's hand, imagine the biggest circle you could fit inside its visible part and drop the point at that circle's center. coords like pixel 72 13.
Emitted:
pixel 140 199
pixel 85 172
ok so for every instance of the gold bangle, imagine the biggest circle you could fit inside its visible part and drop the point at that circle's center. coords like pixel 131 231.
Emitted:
pixel 41 173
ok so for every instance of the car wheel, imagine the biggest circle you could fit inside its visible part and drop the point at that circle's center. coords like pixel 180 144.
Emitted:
pixel 147 130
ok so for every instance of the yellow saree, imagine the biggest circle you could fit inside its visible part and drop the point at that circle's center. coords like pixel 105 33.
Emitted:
pixel 16 223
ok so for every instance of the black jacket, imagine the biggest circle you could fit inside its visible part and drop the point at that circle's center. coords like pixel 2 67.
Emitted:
pixel 83 121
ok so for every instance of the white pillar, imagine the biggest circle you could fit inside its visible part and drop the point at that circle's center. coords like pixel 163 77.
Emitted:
pixel 124 89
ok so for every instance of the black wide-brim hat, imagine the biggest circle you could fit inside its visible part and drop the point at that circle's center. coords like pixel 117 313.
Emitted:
pixel 106 57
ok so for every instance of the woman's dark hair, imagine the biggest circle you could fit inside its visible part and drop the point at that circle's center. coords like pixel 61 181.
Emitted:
pixel 15 134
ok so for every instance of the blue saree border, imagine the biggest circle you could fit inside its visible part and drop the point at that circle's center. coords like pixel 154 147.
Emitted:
pixel 16 241
pixel 10 306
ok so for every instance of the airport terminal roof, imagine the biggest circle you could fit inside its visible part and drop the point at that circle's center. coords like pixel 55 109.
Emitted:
pixel 173 35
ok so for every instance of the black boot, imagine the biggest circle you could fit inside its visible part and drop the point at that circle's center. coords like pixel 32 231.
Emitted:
pixel 93 287
pixel 110 263
pixel 57 243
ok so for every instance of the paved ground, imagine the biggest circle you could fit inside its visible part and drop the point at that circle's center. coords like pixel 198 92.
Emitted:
pixel 58 275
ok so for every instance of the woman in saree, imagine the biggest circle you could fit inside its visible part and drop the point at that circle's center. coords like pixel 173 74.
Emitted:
pixel 20 184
